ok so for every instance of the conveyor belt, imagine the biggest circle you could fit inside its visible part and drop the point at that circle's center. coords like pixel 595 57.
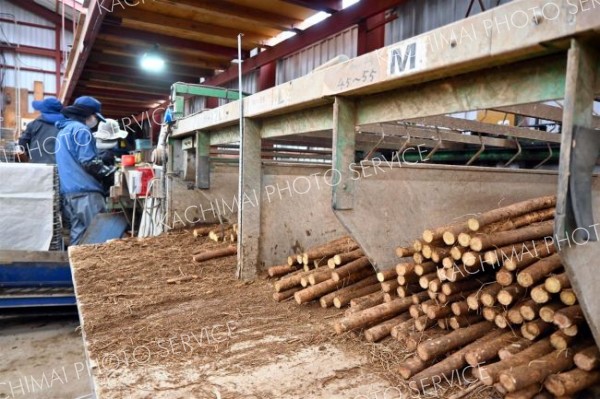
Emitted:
pixel 29 297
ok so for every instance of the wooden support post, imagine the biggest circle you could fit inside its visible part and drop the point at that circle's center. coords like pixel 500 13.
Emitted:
pixel 579 260
pixel 249 200
pixel 344 144
pixel 202 160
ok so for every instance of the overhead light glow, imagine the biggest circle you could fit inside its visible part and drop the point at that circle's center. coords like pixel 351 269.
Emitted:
pixel 152 61
pixel 315 19
pixel 307 23
pixel 348 3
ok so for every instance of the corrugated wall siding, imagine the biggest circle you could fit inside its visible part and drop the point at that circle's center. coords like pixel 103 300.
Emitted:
pixel 420 16
pixel 414 17
pixel 249 85
pixel 307 59
pixel 20 71
pixel 28 36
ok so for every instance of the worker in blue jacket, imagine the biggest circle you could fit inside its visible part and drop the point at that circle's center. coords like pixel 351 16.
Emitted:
pixel 80 169
pixel 39 138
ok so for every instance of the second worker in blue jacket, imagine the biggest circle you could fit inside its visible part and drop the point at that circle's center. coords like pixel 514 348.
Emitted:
pixel 80 169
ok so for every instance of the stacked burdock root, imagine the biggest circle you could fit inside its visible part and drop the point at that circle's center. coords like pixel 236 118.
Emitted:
pixel 489 294
pixel 220 233
pixel 335 274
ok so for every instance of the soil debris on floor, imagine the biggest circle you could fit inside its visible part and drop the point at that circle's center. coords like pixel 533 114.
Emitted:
pixel 213 336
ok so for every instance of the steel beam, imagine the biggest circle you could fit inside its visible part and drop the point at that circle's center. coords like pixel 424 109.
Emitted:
pixel 44 52
pixel 203 90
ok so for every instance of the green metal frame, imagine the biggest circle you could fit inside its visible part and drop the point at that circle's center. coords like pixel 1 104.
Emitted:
pixel 180 90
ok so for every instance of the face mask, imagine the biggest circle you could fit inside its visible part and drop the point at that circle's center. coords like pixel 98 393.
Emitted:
pixel 91 122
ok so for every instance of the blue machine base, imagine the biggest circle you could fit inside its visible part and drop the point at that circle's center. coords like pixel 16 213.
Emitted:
pixel 35 279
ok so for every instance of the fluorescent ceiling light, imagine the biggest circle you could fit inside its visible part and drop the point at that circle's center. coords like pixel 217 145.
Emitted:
pixel 348 3
pixel 153 61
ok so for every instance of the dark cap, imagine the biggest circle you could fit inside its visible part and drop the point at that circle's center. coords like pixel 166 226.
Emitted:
pixel 49 105
pixel 90 103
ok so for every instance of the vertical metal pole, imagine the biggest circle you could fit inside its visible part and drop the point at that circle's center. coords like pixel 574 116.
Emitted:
pixel 240 163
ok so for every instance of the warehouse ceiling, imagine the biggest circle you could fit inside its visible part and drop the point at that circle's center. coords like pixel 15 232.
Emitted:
pixel 198 39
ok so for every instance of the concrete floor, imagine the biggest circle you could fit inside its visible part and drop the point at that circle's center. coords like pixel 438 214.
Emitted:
pixel 42 358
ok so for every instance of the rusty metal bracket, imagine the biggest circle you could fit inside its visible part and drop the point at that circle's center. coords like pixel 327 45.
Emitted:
pixel 549 157
pixel 370 153
pixel 407 142
pixel 478 153
pixel 437 146
pixel 519 150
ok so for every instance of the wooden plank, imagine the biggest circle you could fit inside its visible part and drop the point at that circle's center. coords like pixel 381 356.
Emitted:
pixel 225 135
pixel 237 13
pixel 433 134
pixel 542 111
pixel 249 200
pixel 170 48
pixel 10 114
pixel 481 127
pixel 38 90
pixel 490 88
pixel 344 143
pixel 185 12
pixel 311 120
pixel 135 16
pixel 134 49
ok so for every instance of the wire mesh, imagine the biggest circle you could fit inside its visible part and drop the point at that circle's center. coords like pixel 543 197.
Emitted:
pixel 57 244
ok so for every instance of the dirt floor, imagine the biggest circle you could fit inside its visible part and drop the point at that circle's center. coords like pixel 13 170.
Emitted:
pixel 42 358
pixel 214 336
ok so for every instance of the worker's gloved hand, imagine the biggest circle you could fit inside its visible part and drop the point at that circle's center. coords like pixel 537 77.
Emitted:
pixel 109 171
pixel 98 169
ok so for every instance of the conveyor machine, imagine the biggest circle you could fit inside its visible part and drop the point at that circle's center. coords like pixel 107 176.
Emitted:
pixel 469 87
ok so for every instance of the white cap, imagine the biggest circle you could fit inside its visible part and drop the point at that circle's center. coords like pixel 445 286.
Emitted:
pixel 110 130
